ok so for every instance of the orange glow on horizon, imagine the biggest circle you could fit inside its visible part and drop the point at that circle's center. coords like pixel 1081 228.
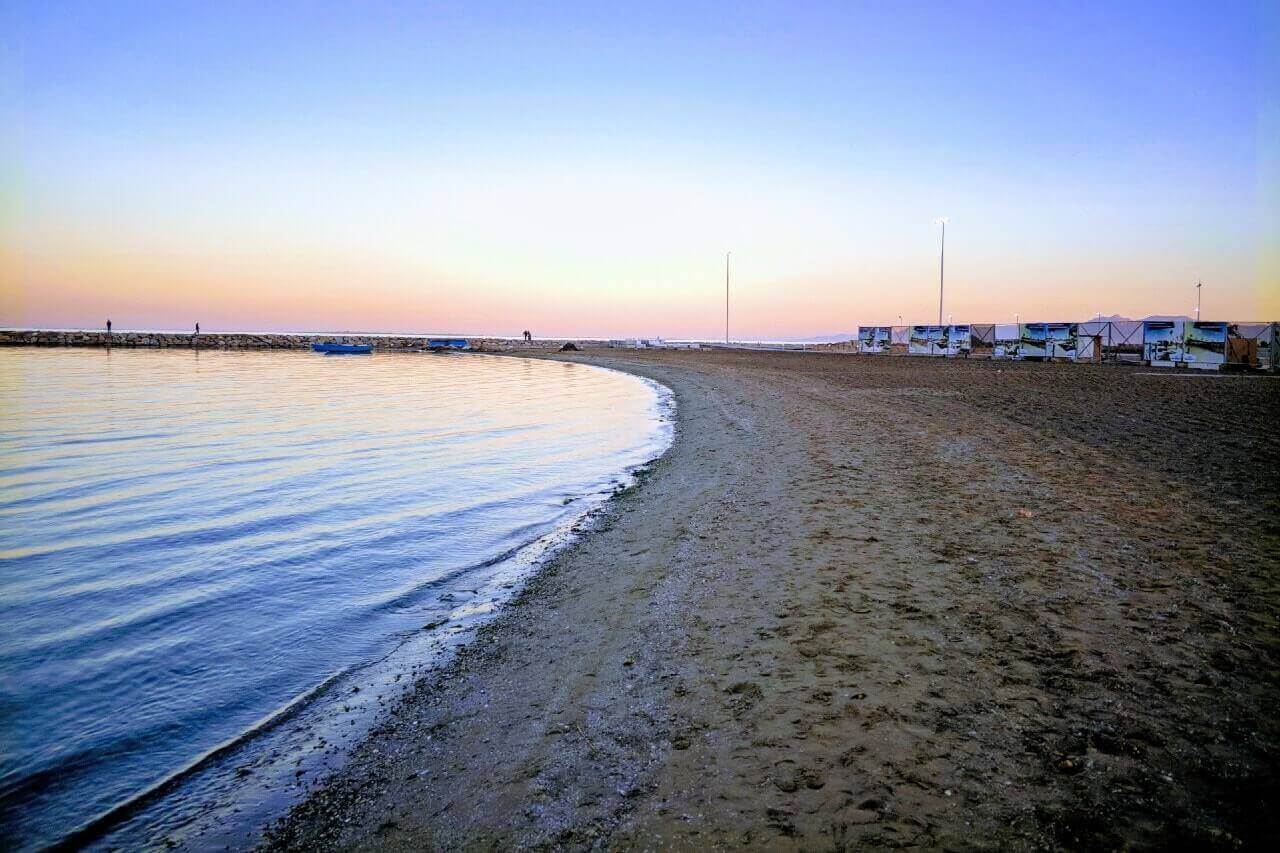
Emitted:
pixel 81 285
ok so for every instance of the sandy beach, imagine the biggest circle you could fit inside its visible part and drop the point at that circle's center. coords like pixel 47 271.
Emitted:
pixel 874 602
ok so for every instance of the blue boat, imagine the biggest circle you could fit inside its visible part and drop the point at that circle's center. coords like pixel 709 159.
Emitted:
pixel 349 349
pixel 441 344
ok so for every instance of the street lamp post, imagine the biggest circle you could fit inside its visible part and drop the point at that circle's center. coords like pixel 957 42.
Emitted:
pixel 942 265
pixel 1199 284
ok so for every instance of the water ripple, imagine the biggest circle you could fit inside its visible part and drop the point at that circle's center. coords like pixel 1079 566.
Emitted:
pixel 191 541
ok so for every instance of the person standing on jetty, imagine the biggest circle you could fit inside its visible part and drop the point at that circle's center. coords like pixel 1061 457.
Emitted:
pixel 108 326
pixel 197 328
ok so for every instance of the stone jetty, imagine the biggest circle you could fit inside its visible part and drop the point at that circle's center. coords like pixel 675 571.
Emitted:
pixel 252 340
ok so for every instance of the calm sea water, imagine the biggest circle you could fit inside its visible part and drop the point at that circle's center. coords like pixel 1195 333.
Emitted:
pixel 190 542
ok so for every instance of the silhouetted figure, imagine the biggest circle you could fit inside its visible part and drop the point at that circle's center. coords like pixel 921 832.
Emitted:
pixel 197 328
pixel 108 327
pixel 528 337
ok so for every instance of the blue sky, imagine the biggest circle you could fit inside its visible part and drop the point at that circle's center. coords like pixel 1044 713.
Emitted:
pixel 583 169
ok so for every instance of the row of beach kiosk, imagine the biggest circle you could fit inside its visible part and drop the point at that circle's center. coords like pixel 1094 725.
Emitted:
pixel 1160 343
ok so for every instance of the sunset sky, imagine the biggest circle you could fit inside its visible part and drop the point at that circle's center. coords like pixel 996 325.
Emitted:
pixel 574 171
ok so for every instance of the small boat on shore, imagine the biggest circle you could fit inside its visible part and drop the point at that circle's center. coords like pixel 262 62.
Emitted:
pixel 442 344
pixel 347 349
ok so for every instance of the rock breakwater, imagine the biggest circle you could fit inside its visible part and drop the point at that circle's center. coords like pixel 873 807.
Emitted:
pixel 252 340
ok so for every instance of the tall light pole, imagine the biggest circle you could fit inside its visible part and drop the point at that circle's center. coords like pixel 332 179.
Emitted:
pixel 726 297
pixel 942 272
pixel 1199 284
pixel 942 264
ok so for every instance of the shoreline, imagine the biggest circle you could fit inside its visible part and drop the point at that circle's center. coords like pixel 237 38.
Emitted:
pixel 869 602
pixel 229 818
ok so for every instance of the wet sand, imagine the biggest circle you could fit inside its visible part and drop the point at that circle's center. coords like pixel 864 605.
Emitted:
pixel 874 602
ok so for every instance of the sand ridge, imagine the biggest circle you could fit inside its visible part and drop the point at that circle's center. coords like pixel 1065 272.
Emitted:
pixel 873 602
